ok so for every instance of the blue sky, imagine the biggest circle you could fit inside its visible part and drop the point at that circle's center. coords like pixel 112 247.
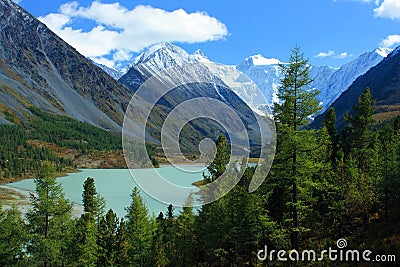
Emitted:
pixel 329 32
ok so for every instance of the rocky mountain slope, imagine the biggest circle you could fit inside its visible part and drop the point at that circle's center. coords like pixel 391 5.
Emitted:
pixel 37 68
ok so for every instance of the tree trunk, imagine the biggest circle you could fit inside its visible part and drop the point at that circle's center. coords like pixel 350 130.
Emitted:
pixel 295 234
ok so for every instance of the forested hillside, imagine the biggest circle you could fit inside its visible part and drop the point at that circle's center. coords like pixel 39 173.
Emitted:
pixel 58 139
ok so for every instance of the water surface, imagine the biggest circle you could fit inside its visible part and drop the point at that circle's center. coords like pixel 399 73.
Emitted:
pixel 116 185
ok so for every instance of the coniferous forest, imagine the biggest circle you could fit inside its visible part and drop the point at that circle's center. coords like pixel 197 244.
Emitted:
pixel 325 184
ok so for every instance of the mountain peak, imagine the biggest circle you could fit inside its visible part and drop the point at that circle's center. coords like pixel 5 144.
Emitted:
pixel 164 51
pixel 199 56
pixel 383 52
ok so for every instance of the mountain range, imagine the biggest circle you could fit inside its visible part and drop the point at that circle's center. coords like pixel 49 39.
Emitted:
pixel 384 82
pixel 37 68
pixel 331 82
pixel 265 72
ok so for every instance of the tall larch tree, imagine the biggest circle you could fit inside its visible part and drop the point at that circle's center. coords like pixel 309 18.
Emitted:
pixel 49 220
pixel 140 232
pixel 297 103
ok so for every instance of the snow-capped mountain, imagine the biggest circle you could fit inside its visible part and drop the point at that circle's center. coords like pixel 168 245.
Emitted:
pixel 264 73
pixel 165 55
pixel 383 80
pixel 342 78
pixel 258 71
pixel 194 77
pixel 331 82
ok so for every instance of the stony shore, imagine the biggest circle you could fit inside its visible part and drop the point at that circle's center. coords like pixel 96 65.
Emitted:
pixel 11 196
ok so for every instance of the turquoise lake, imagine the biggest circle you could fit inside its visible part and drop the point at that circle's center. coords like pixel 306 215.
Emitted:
pixel 116 185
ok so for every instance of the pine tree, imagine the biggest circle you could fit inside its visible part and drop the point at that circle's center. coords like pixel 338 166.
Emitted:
pixel 297 102
pixel 13 237
pixel 86 233
pixel 361 137
pixel 219 164
pixel 330 125
pixel 85 241
pixel 107 239
pixel 389 139
pixel 159 242
pixel 212 221
pixel 140 231
pixel 93 202
pixel 89 195
pixel 362 167
pixel 167 232
pixel 185 235
pixel 122 245
pixel 49 220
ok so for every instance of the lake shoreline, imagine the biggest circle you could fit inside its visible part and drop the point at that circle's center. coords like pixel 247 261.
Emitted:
pixel 20 198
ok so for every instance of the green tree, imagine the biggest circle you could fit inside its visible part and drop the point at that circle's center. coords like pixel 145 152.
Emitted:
pixel 89 196
pixel 165 242
pixel 122 245
pixel 140 231
pixel 185 235
pixel 85 241
pixel 334 147
pixel 297 103
pixel 107 241
pixel 13 237
pixel 217 167
pixel 362 166
pixel 49 220
pixel 86 233
pixel 361 137
pixel 93 202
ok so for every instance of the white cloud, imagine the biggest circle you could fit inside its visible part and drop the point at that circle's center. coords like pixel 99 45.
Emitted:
pixel 119 32
pixel 344 55
pixel 330 53
pixel 385 8
pixel 333 54
pixel 390 41
pixel 388 9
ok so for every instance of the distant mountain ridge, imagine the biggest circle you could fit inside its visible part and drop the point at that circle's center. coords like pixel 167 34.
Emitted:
pixel 331 82
pixel 265 72
pixel 384 82
pixel 110 71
